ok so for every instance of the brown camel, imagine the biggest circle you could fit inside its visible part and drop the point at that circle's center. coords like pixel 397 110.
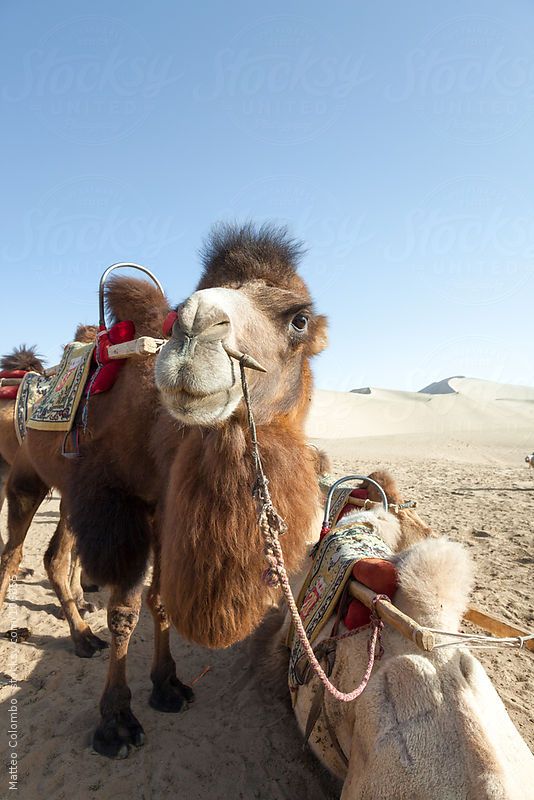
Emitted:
pixel 190 468
pixel 25 359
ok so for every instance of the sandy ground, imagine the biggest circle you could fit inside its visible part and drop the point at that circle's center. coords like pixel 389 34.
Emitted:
pixel 237 741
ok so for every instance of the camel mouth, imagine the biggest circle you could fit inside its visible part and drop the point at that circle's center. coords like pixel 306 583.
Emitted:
pixel 195 408
pixel 181 392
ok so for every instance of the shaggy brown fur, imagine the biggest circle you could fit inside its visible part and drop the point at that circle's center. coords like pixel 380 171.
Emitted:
pixel 235 255
pixel 23 357
pixel 213 587
pixel 85 333
pixel 139 301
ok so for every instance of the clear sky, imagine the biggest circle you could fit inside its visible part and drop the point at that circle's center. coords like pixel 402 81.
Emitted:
pixel 396 139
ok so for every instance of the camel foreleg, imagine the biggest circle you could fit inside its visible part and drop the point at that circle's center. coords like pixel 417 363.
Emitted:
pixel 25 492
pixel 119 728
pixel 76 587
pixel 168 693
pixel 57 561
pixel 4 472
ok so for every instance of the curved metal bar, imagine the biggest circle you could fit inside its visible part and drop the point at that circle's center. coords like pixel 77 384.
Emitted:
pixel 345 480
pixel 121 265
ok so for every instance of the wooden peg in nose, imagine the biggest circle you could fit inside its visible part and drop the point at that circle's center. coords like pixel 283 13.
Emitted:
pixel 245 359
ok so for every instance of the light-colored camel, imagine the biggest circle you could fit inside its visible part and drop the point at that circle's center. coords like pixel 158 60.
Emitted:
pixel 428 726
pixel 191 467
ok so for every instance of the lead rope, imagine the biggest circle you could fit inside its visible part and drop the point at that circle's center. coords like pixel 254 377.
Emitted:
pixel 272 527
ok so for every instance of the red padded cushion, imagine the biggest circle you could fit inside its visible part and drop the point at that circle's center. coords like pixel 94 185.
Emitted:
pixel 107 373
pixel 13 373
pixel 8 392
pixel 377 574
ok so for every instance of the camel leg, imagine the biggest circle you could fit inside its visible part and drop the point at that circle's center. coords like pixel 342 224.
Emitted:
pixel 118 727
pixel 57 563
pixel 25 493
pixel 4 472
pixel 76 589
pixel 168 693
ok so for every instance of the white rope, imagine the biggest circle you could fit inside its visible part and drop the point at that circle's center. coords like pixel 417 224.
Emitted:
pixel 479 640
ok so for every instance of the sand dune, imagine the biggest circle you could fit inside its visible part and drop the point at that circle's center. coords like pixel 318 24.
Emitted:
pixel 477 413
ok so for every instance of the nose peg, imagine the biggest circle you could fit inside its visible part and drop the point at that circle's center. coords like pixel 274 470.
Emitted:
pixel 245 359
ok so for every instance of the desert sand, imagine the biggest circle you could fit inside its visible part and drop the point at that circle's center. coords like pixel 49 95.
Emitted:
pixel 458 449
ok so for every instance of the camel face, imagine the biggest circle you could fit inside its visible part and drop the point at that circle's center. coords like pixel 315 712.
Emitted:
pixel 198 382
pixel 260 310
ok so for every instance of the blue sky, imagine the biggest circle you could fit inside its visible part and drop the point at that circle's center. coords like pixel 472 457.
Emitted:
pixel 394 139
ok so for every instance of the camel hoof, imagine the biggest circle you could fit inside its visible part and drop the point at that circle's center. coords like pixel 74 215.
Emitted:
pixel 85 608
pixel 87 644
pixel 25 572
pixel 171 696
pixel 114 736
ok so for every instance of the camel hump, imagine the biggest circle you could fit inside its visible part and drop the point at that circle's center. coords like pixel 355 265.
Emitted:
pixel 137 300
pixel 85 333
pixel 435 580
pixel 388 484
pixel 23 358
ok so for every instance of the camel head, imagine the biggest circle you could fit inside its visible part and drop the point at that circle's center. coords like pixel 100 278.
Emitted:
pixel 250 300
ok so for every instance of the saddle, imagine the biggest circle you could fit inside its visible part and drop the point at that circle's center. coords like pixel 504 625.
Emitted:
pixel 352 549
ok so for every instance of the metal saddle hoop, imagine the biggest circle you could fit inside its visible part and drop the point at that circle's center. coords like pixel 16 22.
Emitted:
pixel 107 272
pixel 345 480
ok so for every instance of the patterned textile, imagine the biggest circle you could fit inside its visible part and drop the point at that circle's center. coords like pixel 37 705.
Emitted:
pixel 32 388
pixel 57 410
pixel 333 561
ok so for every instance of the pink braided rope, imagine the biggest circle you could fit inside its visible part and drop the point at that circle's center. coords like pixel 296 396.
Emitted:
pixel 271 524
pixel 277 562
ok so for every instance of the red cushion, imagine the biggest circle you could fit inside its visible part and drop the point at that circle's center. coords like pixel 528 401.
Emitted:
pixel 109 369
pixel 13 373
pixel 377 574
pixel 8 392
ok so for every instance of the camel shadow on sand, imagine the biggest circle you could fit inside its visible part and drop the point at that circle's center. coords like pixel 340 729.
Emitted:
pixel 238 740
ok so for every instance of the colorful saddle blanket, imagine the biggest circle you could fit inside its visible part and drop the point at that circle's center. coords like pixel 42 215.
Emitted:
pixel 333 561
pixel 56 410
pixel 33 387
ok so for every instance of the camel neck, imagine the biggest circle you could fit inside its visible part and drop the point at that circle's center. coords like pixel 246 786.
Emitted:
pixel 212 551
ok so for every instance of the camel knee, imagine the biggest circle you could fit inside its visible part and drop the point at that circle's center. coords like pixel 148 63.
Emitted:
pixel 157 609
pixel 122 622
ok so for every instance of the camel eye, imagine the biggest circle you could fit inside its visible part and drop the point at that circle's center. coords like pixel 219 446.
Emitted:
pixel 299 322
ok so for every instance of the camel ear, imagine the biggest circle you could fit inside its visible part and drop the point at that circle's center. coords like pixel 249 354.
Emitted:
pixel 319 339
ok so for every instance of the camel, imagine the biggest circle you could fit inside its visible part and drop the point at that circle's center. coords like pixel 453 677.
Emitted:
pixel 428 725
pixel 165 463
pixel 26 359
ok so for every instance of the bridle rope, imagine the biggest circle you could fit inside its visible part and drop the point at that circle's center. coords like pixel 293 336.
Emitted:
pixel 272 526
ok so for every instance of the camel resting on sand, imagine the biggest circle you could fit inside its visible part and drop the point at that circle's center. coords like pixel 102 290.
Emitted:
pixel 428 726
